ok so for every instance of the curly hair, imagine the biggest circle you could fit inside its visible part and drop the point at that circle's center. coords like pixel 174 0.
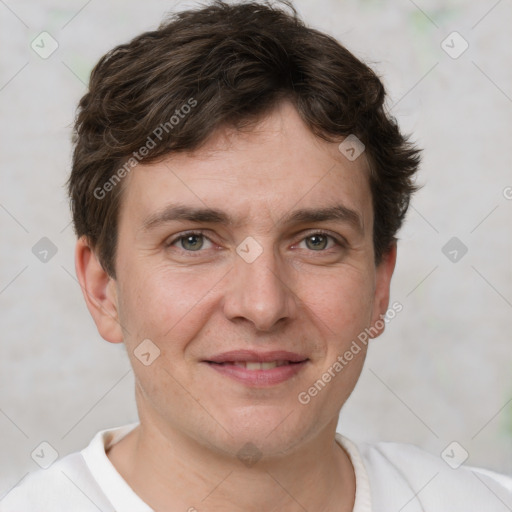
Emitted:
pixel 169 89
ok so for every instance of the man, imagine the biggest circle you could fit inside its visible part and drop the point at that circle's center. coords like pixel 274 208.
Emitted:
pixel 236 191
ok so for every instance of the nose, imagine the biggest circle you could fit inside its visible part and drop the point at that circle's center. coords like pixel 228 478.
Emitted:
pixel 260 292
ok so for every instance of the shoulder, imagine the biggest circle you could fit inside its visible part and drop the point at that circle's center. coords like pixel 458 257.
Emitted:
pixel 66 485
pixel 409 475
pixel 71 483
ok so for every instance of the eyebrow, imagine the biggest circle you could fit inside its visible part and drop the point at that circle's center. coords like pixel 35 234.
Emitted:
pixel 172 212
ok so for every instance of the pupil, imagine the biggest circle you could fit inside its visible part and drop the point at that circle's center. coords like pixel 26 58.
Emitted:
pixel 319 243
pixel 193 242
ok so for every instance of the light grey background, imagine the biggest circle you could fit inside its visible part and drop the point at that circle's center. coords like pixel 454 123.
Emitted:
pixel 441 372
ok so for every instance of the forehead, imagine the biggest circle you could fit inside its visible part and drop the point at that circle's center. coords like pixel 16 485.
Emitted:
pixel 275 167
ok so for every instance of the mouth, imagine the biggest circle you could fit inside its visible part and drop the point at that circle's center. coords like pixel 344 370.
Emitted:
pixel 259 374
pixel 255 365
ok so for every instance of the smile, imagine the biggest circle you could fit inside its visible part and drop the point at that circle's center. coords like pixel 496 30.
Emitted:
pixel 259 374
pixel 252 365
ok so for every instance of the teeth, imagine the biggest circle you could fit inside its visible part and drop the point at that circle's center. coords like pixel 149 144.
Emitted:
pixel 251 365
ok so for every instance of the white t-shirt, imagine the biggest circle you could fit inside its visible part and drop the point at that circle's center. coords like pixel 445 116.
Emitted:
pixel 390 477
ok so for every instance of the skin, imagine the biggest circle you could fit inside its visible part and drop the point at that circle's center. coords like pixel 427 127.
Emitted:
pixel 296 296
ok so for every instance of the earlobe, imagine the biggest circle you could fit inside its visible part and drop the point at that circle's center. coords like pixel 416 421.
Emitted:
pixel 99 291
pixel 384 273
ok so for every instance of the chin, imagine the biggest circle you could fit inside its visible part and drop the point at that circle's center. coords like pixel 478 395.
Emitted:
pixel 272 431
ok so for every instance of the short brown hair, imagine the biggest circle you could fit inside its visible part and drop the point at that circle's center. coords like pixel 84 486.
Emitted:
pixel 233 63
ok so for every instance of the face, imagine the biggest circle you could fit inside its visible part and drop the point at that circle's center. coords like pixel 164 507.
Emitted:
pixel 282 260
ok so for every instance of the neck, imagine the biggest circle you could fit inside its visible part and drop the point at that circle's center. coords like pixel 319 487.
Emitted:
pixel 163 465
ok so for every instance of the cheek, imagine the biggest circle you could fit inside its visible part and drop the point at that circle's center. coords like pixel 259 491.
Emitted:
pixel 163 304
pixel 342 300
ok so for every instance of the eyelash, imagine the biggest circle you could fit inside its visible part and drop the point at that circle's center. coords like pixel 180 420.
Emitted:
pixel 338 241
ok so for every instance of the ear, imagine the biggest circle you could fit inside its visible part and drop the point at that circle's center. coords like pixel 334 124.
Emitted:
pixel 99 291
pixel 382 284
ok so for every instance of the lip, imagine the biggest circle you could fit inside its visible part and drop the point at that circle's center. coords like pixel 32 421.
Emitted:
pixel 255 356
pixel 259 378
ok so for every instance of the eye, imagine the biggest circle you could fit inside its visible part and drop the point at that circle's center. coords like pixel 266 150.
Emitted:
pixel 319 241
pixel 192 241
pixel 195 241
